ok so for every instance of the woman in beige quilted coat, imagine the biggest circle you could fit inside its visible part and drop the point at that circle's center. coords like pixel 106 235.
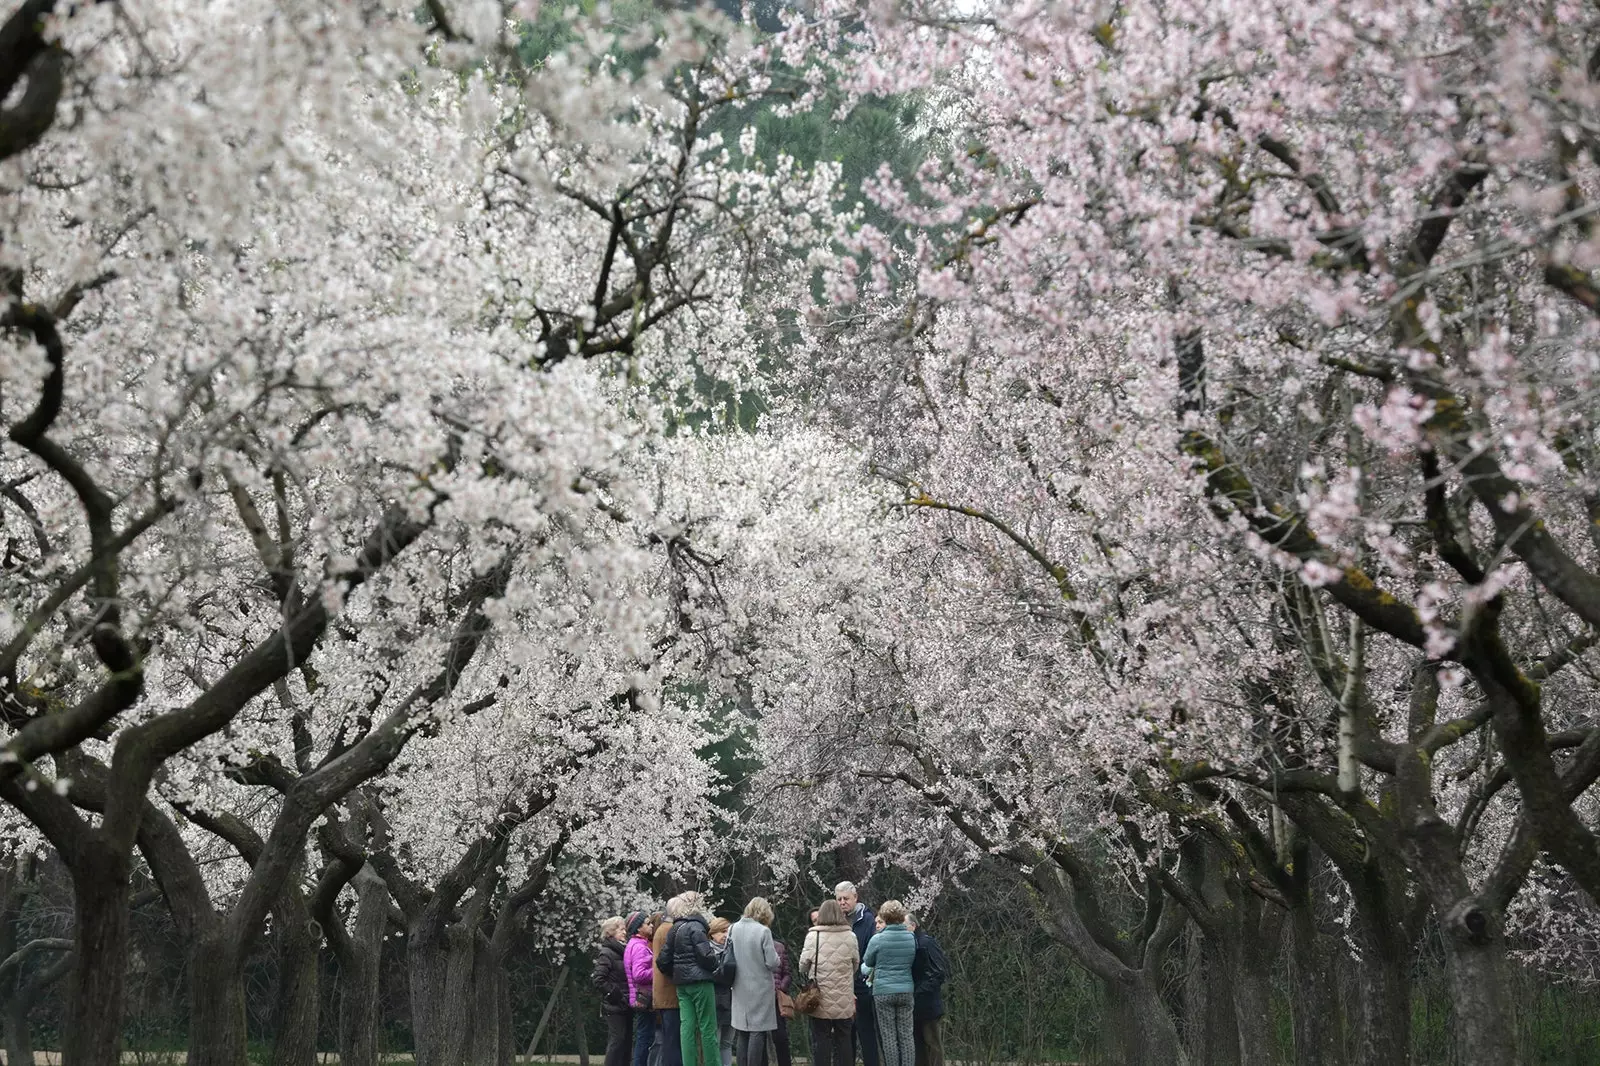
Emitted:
pixel 830 958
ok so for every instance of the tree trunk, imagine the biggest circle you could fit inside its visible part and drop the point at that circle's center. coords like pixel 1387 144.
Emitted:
pixel 1315 998
pixel 295 1043
pixel 358 972
pixel 19 1036
pixel 508 1034
pixel 100 880
pixel 1257 935
pixel 485 1035
pixel 1192 1012
pixel 1116 1024
pixel 1480 1000
pixel 1152 1038
pixel 581 1021
pixel 1252 1001
pixel 1385 1002
pixel 441 1000
pixel 18 1042
pixel 216 999
pixel 1220 1027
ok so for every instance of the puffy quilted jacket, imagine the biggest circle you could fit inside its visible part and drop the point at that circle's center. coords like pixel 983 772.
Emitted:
pixel 692 957
pixel 830 957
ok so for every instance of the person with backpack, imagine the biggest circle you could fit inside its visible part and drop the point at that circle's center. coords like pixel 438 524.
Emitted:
pixel 755 1000
pixel 689 960
pixel 887 964
pixel 828 961
pixel 638 962
pixel 929 971
pixel 663 993
pixel 611 978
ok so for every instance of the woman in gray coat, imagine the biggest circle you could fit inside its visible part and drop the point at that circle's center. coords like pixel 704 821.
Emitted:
pixel 755 1008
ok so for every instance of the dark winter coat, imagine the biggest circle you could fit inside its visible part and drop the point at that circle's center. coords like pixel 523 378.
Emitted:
pixel 724 988
pixel 863 923
pixel 692 956
pixel 929 970
pixel 611 977
pixel 780 980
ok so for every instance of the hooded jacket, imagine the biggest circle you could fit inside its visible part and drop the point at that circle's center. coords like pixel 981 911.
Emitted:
pixel 829 957
pixel 692 957
pixel 638 960
pixel 611 977
pixel 889 957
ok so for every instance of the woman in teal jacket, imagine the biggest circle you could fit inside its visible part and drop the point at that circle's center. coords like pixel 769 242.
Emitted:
pixel 887 966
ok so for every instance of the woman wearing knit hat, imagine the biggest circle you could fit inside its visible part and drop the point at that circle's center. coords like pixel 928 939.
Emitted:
pixel 637 960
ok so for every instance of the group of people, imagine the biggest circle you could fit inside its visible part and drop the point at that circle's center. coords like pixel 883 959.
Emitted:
pixel 685 988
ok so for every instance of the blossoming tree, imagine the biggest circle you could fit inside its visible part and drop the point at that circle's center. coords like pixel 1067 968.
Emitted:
pixel 333 343
pixel 1254 344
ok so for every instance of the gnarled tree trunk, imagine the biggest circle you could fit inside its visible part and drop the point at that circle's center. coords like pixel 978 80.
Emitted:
pixel 1219 1027
pixel 101 876
pixel 1255 949
pixel 298 938
pixel 216 999
pixel 1318 1010
pixel 487 977
pixel 1153 1038
pixel 441 970
pixel 1384 1036
pixel 359 956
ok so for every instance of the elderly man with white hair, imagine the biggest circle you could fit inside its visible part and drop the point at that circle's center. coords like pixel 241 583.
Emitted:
pixel 863 925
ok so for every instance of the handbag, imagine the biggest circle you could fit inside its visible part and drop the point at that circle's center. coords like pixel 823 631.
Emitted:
pixel 809 998
pixel 785 1004
pixel 727 968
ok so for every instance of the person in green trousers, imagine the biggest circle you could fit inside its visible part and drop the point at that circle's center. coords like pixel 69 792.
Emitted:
pixel 693 963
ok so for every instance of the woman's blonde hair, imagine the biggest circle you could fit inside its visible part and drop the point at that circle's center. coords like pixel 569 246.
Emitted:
pixel 717 925
pixel 830 913
pixel 893 912
pixel 759 910
pixel 609 927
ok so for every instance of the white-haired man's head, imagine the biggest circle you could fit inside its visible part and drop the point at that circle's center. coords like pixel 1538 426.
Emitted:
pixel 676 908
pixel 845 892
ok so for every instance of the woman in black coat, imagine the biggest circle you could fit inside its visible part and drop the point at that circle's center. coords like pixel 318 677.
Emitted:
pixel 611 978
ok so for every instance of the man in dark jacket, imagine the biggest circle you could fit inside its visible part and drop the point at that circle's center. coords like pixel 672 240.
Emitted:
pixel 693 963
pixel 863 923
pixel 929 969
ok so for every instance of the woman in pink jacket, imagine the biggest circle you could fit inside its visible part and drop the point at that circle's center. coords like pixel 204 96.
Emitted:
pixel 638 962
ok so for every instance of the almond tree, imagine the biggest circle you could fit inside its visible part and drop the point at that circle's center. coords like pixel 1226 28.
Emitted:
pixel 1261 335
pixel 323 324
